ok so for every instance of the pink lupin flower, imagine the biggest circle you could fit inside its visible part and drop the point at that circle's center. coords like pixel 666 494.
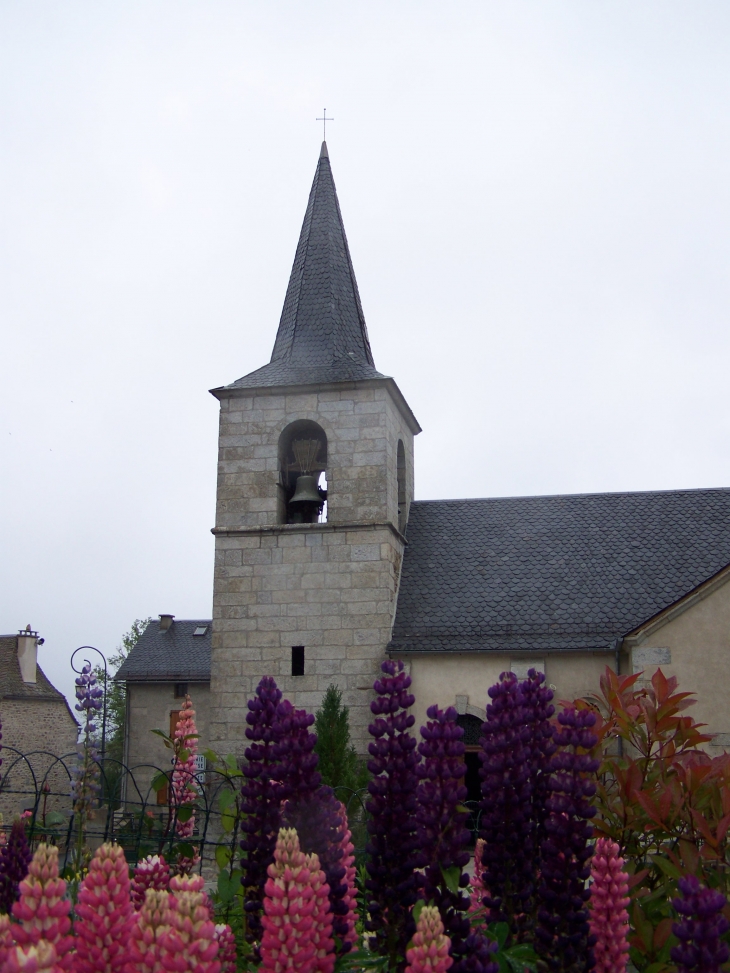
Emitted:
pixel 184 783
pixel 226 948
pixel 152 872
pixel 6 937
pixel 430 950
pixel 609 920
pixel 40 958
pixel 42 912
pixel 190 944
pixel 148 932
pixel 105 914
pixel 348 863
pixel 297 921
pixel 477 885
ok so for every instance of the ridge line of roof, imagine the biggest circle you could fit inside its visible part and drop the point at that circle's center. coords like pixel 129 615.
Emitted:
pixel 566 496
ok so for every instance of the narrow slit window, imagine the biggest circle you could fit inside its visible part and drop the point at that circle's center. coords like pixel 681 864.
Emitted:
pixel 181 690
pixel 297 660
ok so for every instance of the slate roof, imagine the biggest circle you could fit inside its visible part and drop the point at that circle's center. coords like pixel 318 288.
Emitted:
pixel 560 572
pixel 322 335
pixel 165 656
pixel 11 681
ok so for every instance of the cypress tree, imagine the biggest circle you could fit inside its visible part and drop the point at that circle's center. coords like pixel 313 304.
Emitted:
pixel 339 763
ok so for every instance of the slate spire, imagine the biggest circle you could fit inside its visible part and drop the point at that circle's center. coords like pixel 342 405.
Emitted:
pixel 322 334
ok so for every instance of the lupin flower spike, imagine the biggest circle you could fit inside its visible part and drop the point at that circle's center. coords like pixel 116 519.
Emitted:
pixel 261 803
pixel 189 944
pixel 297 921
pixel 184 781
pixel 42 910
pixel 700 948
pixel 15 857
pixel 6 938
pixel 40 958
pixel 149 932
pixel 152 872
pixel 609 897
pixel 347 861
pixel 430 950
pixel 226 948
pixel 393 849
pixel 104 914
pixel 563 938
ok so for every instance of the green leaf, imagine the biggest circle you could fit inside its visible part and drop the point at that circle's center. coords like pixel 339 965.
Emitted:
pixel 159 781
pixel 228 822
pixel 223 856
pixel 451 878
pixel 228 886
pixel 521 957
pixel 418 909
pixel 667 867
pixel 184 813
pixel 211 756
pixel 186 850
pixel 226 798
pixel 230 761
pixel 183 755
pixel 55 819
pixel 498 931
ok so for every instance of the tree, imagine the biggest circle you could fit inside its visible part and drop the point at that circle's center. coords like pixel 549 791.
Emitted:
pixel 339 763
pixel 116 695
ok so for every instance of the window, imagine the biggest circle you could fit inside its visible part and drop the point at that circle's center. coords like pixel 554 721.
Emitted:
pixel 181 691
pixel 402 499
pixel 200 630
pixel 297 660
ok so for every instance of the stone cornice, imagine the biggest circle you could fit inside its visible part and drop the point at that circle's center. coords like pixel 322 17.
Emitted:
pixel 307 529
pixel 233 391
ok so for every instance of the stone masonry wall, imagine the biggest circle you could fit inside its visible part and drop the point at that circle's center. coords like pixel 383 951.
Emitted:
pixel 328 587
pixel 331 589
pixel 30 725
pixel 362 424
pixel 150 705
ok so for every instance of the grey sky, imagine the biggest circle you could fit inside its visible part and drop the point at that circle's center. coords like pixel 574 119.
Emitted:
pixel 536 197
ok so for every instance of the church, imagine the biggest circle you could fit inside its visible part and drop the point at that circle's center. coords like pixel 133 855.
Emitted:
pixel 325 563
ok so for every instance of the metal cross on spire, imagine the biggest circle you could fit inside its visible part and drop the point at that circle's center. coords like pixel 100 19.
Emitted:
pixel 324 121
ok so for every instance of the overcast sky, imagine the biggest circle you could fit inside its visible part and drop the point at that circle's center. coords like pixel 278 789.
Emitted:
pixel 537 200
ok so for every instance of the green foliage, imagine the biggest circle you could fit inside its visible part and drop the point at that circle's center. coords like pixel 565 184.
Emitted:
pixel 339 763
pixel 116 696
pixel 663 799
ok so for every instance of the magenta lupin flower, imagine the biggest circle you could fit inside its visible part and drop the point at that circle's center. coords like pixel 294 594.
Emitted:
pixel 104 914
pixel 297 921
pixel 226 948
pixel 189 945
pixel 609 920
pixel 15 858
pixel 702 923
pixel 148 933
pixel 41 912
pixel 6 938
pixel 430 950
pixel 350 898
pixel 184 782
pixel 152 872
pixel 32 959
pixel 477 883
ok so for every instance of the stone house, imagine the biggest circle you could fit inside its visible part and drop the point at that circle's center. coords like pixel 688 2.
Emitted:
pixel 37 722
pixel 325 563
pixel 170 660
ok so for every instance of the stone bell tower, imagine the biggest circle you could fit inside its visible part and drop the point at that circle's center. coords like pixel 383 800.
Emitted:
pixel 315 478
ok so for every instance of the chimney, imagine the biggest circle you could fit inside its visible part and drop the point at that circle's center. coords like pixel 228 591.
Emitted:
pixel 28 653
pixel 166 622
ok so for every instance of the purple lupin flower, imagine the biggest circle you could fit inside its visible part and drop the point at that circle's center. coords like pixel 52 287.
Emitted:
pixel 700 949
pixel 311 808
pixel 443 839
pixel 393 846
pixel 507 824
pixel 562 937
pixel 261 792
pixel 85 776
pixel 15 857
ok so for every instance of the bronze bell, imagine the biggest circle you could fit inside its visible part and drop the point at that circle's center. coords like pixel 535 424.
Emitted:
pixel 306 491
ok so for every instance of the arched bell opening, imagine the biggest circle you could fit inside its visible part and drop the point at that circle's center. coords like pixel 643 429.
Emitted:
pixel 401 477
pixel 303 473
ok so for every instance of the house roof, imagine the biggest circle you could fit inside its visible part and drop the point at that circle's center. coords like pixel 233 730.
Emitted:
pixel 552 573
pixel 166 655
pixel 322 335
pixel 12 685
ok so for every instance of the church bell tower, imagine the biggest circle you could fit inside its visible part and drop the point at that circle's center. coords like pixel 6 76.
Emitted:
pixel 315 478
